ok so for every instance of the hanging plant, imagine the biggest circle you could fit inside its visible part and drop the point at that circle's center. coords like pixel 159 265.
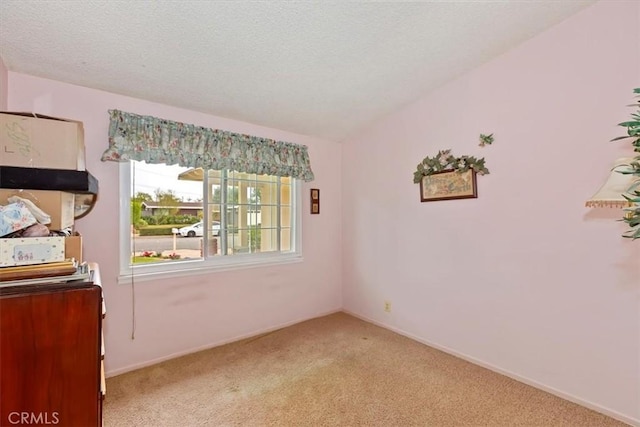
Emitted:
pixel 444 160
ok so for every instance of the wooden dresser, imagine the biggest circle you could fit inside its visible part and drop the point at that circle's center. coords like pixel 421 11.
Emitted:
pixel 51 354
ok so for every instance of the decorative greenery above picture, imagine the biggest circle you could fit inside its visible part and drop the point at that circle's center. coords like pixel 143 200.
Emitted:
pixel 632 127
pixel 444 160
pixel 486 140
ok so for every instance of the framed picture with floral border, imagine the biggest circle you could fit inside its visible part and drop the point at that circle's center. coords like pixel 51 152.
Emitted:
pixel 448 185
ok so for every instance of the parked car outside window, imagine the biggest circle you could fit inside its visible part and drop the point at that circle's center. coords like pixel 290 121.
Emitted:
pixel 196 230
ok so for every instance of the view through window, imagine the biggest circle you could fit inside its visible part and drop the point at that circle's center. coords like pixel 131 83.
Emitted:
pixel 188 214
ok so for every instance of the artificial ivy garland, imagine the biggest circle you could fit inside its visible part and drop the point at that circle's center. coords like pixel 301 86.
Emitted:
pixel 444 160
pixel 485 140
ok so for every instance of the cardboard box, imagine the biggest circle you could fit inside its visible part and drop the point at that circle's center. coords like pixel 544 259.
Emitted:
pixel 36 141
pixel 31 250
pixel 73 247
pixel 59 205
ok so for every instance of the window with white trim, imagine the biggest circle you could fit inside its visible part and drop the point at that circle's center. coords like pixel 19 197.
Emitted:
pixel 181 220
pixel 244 211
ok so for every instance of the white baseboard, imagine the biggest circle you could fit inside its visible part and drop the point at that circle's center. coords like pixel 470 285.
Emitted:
pixel 119 371
pixel 613 414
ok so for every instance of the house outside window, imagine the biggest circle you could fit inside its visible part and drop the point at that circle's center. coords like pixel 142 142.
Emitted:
pixel 150 208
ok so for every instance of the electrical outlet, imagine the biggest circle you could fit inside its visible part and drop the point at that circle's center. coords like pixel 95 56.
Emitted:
pixel 387 306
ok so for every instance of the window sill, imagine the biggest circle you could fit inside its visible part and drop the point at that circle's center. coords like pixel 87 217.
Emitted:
pixel 148 273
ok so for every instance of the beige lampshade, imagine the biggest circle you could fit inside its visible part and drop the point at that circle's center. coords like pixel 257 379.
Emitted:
pixel 617 184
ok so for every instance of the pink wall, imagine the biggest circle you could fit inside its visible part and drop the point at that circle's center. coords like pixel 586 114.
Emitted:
pixel 4 85
pixel 182 315
pixel 524 279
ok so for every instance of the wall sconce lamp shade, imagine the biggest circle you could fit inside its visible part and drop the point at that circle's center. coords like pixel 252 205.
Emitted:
pixel 617 184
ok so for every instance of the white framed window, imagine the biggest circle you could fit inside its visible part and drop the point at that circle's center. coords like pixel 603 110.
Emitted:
pixel 176 221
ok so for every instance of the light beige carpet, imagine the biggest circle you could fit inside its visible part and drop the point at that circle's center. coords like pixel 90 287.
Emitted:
pixel 332 371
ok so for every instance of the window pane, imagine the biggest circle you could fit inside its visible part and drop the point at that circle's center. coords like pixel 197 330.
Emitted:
pixel 268 193
pixel 165 198
pixel 182 214
pixel 269 240
pixel 268 218
pixel 285 239
pixel 285 195
pixel 285 214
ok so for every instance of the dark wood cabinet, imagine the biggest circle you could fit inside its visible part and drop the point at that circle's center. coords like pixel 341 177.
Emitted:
pixel 50 354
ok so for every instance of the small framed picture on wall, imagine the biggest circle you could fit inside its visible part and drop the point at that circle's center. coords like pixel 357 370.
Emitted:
pixel 315 201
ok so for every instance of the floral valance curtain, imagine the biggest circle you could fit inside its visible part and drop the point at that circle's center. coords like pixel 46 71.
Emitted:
pixel 154 140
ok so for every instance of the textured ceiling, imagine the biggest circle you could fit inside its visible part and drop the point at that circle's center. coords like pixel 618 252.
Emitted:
pixel 321 68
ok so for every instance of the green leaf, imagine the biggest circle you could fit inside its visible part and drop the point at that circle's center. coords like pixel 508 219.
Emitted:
pixel 445 160
pixel 632 124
